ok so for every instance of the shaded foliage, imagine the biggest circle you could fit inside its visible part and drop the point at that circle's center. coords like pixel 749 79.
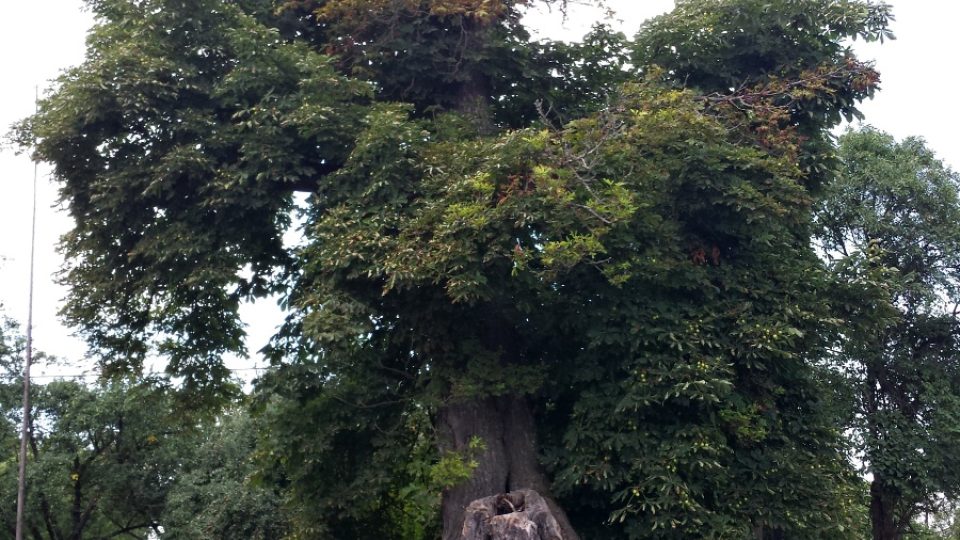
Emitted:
pixel 215 495
pixel 180 129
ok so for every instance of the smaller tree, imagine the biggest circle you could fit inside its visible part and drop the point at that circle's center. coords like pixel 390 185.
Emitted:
pixel 101 458
pixel 890 229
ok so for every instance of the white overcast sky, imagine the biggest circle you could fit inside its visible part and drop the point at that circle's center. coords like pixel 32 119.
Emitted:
pixel 39 38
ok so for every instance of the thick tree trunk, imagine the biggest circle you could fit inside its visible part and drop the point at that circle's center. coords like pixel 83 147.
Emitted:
pixel 762 532
pixel 472 98
pixel 473 102
pixel 883 513
pixel 505 425
pixel 508 461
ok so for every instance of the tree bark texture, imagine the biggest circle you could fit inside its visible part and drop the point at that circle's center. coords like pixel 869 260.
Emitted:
pixel 518 515
pixel 762 532
pixel 508 461
pixel 472 97
pixel 883 515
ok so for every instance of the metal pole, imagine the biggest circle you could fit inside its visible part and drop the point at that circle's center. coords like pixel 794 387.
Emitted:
pixel 25 428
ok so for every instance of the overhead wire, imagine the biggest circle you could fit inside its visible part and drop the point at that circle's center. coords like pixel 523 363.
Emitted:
pixel 67 376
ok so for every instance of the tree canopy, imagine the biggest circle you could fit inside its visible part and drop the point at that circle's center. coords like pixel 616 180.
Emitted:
pixel 101 459
pixel 889 228
pixel 584 270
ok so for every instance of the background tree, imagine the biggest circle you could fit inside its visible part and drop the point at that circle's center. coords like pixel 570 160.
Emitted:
pixel 616 284
pixel 122 460
pixel 101 459
pixel 889 228
pixel 215 494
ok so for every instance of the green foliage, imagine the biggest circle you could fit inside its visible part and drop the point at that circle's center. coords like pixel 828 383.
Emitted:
pixel 632 259
pixel 697 377
pixel 687 286
pixel 101 460
pixel 759 46
pixel 415 513
pixel 715 45
pixel 122 459
pixel 363 463
pixel 423 51
pixel 215 494
pixel 889 227
pixel 188 127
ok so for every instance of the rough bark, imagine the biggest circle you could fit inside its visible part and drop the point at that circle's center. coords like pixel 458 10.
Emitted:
pixel 472 97
pixel 518 515
pixel 508 461
pixel 762 532
pixel 473 102
pixel 883 515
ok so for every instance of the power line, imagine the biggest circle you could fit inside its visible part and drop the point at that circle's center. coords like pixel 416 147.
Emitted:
pixel 67 376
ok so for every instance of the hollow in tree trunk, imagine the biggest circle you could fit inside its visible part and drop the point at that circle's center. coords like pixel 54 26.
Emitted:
pixel 518 515
pixel 507 463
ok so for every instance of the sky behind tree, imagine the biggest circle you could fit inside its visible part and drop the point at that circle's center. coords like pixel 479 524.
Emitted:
pixel 42 37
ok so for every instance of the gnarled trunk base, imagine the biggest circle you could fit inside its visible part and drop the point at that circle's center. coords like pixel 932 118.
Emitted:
pixel 507 463
pixel 518 515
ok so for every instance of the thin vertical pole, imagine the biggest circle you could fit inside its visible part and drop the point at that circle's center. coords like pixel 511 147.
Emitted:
pixel 25 428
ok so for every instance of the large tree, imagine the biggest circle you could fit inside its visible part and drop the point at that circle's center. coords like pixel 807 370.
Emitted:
pixel 527 265
pixel 890 227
